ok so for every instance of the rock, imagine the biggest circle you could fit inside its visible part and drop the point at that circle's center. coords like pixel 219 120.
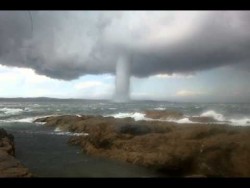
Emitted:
pixel 159 114
pixel 173 149
pixel 133 129
pixel 195 176
pixel 9 166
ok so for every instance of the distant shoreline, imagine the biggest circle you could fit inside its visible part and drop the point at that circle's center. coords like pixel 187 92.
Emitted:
pixel 46 99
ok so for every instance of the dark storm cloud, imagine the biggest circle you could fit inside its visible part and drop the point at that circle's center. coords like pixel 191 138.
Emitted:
pixel 62 45
pixel 222 39
pixel 66 45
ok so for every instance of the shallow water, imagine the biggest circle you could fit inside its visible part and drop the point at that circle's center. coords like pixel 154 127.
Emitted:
pixel 48 155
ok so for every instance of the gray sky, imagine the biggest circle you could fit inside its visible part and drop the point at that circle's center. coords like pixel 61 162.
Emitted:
pixel 204 47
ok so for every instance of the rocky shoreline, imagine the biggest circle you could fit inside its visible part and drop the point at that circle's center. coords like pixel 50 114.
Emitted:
pixel 9 165
pixel 182 150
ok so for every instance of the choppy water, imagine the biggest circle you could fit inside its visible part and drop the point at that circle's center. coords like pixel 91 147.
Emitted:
pixel 46 152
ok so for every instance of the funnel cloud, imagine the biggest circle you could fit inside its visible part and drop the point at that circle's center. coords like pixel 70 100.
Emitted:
pixel 122 79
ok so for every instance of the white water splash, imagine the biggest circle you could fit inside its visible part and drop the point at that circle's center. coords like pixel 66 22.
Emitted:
pixel 213 114
pixel 11 111
pixel 137 116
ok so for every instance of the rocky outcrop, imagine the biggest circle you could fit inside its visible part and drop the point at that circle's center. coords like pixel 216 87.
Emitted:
pixel 9 166
pixel 174 149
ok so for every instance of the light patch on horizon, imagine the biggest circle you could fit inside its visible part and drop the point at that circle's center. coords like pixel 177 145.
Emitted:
pixel 24 82
pixel 95 89
pixel 187 93
pixel 207 85
pixel 27 75
pixel 162 76
pixel 88 84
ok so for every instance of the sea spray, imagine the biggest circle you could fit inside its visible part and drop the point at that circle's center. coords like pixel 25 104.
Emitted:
pixel 214 115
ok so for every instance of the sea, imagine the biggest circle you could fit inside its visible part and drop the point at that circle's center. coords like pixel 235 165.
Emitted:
pixel 45 151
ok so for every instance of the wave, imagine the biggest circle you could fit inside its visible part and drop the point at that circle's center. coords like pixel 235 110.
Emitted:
pixel 160 108
pixel 137 116
pixel 245 121
pixel 240 122
pixel 220 118
pixel 11 111
pixel 25 120
pixel 213 114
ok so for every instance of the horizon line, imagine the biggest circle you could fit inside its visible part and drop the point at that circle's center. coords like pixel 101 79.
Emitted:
pixel 131 100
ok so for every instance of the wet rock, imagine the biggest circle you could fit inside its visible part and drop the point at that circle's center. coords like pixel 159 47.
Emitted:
pixel 133 129
pixel 9 166
pixel 211 150
pixel 159 114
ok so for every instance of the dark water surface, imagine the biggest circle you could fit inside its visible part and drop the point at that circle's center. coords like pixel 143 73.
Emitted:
pixel 49 155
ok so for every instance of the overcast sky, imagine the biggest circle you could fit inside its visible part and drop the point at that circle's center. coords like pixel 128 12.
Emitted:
pixel 178 56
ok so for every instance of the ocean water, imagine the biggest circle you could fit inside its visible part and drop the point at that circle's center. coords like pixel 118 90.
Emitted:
pixel 45 150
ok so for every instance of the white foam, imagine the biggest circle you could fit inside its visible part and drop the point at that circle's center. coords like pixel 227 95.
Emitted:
pixel 184 120
pixel 58 131
pixel 28 109
pixel 79 134
pixel 240 122
pixel 23 120
pixel 112 108
pixel 219 117
pixel 40 123
pixel 140 116
pixel 54 133
pixel 160 108
pixel 26 120
pixel 214 115
pixel 136 116
pixel 72 134
pixel 11 111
